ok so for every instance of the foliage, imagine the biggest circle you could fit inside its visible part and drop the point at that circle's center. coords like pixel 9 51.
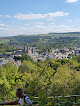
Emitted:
pixel 42 79
pixel 5 48
pixel 26 57
pixel 45 42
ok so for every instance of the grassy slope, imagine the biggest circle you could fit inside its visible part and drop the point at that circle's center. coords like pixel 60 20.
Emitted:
pixel 4 41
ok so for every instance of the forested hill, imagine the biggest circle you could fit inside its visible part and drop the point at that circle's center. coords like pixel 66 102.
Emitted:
pixel 66 33
pixel 46 41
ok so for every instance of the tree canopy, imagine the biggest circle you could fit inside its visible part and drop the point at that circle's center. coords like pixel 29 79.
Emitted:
pixel 50 77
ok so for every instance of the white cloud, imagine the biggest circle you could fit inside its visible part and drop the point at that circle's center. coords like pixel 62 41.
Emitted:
pixel 37 29
pixel 1 24
pixel 10 32
pixel 40 16
pixel 1 29
pixel 1 15
pixel 54 28
pixel 13 22
pixel 4 25
pixel 71 1
pixel 52 23
pixel 39 23
pixel 5 16
pixel 23 28
pixel 50 19
pixel 69 20
pixel 27 24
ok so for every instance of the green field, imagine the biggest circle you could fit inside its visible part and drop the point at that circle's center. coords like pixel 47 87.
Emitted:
pixel 4 41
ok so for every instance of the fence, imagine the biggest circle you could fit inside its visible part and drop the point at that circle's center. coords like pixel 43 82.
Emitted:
pixel 73 99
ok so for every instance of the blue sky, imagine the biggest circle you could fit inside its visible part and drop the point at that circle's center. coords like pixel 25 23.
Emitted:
pixel 18 17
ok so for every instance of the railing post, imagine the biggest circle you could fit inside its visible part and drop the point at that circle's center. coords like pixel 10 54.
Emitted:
pixel 75 99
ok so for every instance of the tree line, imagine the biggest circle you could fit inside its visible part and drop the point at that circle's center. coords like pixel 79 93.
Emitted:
pixel 45 42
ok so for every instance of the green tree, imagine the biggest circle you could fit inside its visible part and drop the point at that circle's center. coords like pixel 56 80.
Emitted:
pixel 27 66
pixel 26 57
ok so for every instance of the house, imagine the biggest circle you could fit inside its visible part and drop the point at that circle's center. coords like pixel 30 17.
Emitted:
pixel 5 55
pixel 3 62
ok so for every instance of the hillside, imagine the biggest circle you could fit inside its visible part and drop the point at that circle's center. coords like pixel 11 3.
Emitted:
pixel 66 33
pixel 44 42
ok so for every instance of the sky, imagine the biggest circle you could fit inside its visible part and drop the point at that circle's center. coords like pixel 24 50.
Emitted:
pixel 27 17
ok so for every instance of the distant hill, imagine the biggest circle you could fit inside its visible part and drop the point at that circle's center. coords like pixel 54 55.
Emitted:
pixel 66 33
pixel 45 41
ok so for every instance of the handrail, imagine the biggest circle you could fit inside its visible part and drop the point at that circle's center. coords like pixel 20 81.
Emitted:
pixel 51 97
